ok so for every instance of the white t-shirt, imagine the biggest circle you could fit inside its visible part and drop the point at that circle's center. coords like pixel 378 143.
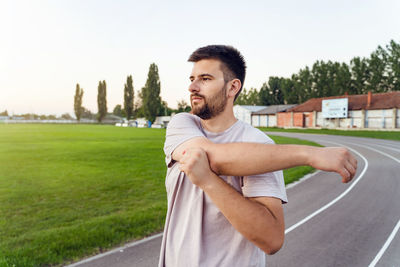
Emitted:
pixel 196 233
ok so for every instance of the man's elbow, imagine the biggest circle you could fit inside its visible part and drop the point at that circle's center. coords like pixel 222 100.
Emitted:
pixel 273 250
pixel 215 166
pixel 214 159
pixel 271 247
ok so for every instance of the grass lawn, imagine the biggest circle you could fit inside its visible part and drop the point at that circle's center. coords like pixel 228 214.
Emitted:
pixel 294 174
pixel 390 135
pixel 70 191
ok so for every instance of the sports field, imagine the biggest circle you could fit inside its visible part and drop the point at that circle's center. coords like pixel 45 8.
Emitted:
pixel 70 191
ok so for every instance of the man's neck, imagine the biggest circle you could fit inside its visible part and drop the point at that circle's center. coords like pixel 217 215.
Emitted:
pixel 220 123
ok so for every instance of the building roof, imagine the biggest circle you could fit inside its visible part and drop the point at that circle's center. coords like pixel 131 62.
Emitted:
pixel 252 108
pixel 273 109
pixel 356 102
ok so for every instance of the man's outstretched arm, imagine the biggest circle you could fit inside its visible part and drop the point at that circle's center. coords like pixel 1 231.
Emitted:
pixel 243 159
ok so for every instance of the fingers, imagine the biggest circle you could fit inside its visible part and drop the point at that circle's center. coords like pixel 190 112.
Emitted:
pixel 345 174
pixel 351 170
pixel 190 157
pixel 353 162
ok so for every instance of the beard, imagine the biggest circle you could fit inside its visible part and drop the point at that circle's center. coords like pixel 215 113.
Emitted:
pixel 212 105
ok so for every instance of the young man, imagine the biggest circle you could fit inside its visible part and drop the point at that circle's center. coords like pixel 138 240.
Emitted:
pixel 224 184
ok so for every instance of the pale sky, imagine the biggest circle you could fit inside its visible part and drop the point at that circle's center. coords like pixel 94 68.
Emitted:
pixel 47 47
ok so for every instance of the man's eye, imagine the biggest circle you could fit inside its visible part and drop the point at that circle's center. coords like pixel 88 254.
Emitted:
pixel 206 79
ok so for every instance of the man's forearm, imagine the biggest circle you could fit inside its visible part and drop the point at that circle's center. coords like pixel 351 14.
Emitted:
pixel 241 159
pixel 261 225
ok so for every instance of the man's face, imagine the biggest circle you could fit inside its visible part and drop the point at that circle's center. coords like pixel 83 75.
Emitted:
pixel 208 96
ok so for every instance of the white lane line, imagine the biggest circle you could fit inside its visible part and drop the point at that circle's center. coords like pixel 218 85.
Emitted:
pixel 385 246
pixel 291 228
pixel 120 249
pixel 378 151
pixel 390 148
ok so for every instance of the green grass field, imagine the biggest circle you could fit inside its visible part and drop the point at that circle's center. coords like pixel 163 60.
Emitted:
pixel 71 191
pixel 390 135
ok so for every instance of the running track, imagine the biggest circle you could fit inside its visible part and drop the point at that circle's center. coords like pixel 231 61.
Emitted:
pixel 327 223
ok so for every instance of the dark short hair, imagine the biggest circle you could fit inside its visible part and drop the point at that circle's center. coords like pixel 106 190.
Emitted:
pixel 233 64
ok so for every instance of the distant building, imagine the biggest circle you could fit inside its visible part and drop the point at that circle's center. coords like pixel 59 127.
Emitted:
pixel 266 117
pixel 259 116
pixel 17 118
pixel 243 112
pixel 112 119
pixel 381 110
pixel 161 121
pixel 142 123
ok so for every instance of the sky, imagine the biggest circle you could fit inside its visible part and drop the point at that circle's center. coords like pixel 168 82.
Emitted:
pixel 47 47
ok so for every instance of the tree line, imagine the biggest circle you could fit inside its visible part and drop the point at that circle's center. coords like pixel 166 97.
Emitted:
pixel 148 102
pixel 33 116
pixel 378 73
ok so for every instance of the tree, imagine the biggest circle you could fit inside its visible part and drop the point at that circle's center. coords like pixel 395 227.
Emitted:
pixel 251 97
pixel 393 61
pixel 288 91
pixel 118 111
pixel 360 75
pixel 151 100
pixel 183 106
pixel 275 94
pixel 129 97
pixel 343 79
pixel 138 106
pixel 102 100
pixel 87 114
pixel 165 110
pixel 321 79
pixel 378 73
pixel 66 116
pixel 4 113
pixel 242 99
pixel 378 70
pixel 78 102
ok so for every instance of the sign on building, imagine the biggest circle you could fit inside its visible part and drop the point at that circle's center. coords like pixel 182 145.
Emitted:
pixel 335 108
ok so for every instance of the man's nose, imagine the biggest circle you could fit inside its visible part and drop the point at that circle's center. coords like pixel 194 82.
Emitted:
pixel 194 87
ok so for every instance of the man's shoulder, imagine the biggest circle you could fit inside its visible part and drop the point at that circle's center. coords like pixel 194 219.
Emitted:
pixel 254 135
pixel 183 116
pixel 183 119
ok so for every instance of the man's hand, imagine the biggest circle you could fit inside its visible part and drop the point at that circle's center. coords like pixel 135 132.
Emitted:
pixel 334 159
pixel 194 163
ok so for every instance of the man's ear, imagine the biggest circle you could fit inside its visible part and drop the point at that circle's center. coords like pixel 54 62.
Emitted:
pixel 234 87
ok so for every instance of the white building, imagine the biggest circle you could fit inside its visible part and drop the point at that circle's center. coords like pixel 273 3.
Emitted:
pixel 243 112
pixel 162 121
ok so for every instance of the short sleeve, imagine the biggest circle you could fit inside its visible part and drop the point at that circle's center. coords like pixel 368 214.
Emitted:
pixel 181 128
pixel 269 184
